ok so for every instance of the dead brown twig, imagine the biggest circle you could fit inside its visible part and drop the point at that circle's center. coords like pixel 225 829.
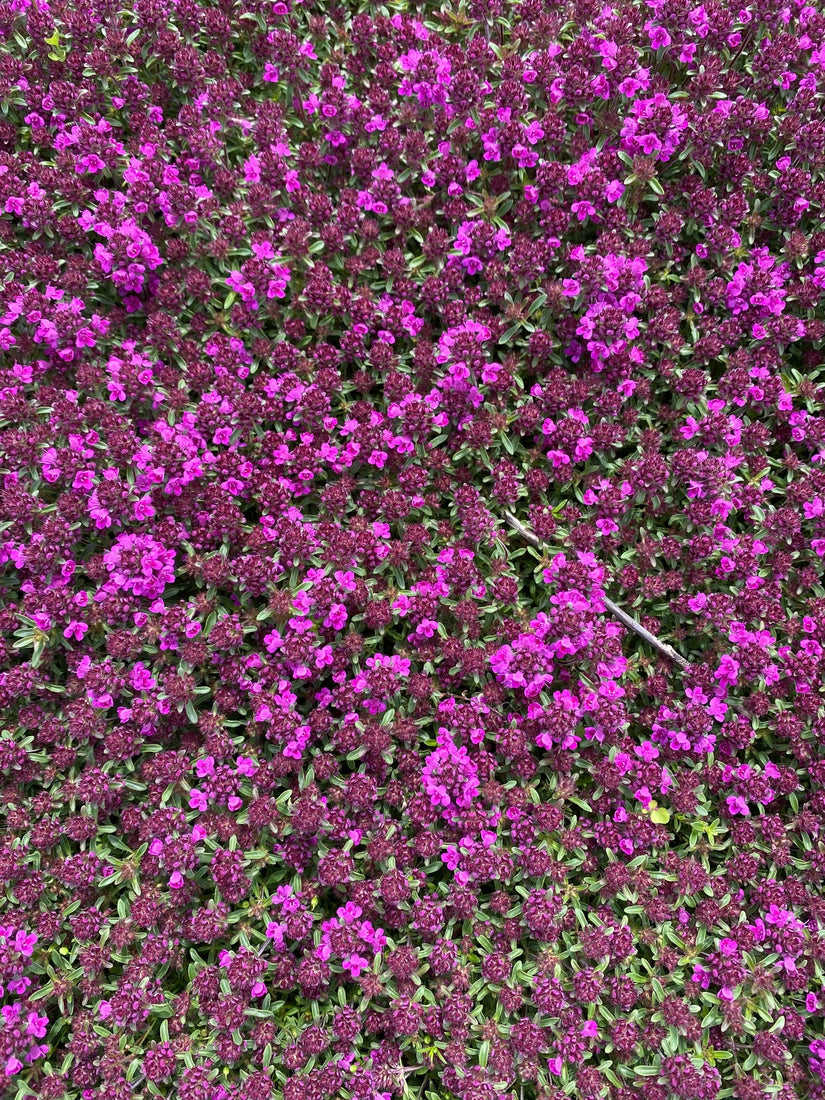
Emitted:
pixel 617 613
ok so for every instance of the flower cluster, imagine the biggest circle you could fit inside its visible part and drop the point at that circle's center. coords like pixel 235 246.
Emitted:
pixel 23 1026
pixel 450 775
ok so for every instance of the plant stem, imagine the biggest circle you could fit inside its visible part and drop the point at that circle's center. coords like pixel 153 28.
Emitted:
pixel 623 617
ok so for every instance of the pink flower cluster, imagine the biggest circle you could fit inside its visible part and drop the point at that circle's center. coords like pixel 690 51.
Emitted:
pixel 450 776
pixel 23 1025
pixel 347 937
pixel 140 564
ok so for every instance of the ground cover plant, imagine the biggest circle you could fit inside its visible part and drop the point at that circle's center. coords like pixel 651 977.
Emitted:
pixel 316 779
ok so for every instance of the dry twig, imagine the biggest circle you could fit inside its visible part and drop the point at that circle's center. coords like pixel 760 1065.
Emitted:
pixel 623 617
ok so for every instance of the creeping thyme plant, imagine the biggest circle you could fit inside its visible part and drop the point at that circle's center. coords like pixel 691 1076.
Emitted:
pixel 316 780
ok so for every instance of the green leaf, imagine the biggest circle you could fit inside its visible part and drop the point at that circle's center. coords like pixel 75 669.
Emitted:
pixel 509 334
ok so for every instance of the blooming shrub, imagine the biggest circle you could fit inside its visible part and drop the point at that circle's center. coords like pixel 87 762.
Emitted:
pixel 314 780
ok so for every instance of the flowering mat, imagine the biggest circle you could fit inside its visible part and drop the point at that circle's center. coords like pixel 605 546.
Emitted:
pixel 320 777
